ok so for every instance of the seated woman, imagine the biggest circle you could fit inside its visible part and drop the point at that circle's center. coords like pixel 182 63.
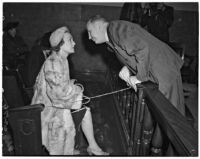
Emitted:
pixel 60 95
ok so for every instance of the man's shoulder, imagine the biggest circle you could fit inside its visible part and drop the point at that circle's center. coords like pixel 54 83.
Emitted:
pixel 121 23
pixel 119 30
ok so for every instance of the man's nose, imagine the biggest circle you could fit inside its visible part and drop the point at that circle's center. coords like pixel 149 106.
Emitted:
pixel 73 43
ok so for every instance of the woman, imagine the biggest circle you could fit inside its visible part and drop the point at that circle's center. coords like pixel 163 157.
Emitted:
pixel 59 94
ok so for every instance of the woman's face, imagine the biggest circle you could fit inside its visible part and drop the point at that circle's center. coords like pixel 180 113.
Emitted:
pixel 69 43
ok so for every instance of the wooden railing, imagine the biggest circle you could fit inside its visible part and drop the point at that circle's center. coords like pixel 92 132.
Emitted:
pixel 151 125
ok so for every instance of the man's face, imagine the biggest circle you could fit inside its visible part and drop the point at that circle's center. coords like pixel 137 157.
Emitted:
pixel 95 33
pixel 69 43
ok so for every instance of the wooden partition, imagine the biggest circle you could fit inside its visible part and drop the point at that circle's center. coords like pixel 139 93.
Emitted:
pixel 25 123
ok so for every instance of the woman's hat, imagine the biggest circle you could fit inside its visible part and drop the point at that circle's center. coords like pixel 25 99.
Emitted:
pixel 57 36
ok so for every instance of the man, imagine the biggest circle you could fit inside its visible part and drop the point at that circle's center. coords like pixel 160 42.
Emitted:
pixel 14 47
pixel 144 55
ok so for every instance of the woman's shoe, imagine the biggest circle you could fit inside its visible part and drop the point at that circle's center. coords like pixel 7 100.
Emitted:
pixel 76 152
pixel 96 152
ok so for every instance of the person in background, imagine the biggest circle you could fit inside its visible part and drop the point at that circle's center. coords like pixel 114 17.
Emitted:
pixel 188 74
pixel 158 18
pixel 14 47
pixel 145 58
pixel 131 12
pixel 35 59
pixel 61 95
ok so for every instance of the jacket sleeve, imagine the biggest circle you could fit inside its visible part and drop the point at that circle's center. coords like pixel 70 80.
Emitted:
pixel 130 41
pixel 143 65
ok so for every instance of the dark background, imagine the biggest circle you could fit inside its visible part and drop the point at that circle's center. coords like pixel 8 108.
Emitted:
pixel 37 18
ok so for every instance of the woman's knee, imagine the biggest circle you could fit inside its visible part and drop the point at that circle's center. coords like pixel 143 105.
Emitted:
pixel 87 110
pixel 87 113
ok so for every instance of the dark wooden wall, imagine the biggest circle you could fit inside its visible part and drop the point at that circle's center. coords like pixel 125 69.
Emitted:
pixel 185 30
pixel 38 18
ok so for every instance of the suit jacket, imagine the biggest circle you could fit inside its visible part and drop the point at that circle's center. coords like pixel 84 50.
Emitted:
pixel 159 24
pixel 12 48
pixel 148 58
pixel 131 12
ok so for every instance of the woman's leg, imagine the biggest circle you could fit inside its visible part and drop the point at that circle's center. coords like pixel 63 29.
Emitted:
pixel 87 127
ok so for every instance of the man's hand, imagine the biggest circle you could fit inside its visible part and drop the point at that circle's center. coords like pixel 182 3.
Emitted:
pixel 124 74
pixel 133 81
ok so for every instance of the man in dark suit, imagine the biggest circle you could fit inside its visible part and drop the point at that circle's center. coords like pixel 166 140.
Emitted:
pixel 131 12
pixel 144 55
pixel 158 20
pixel 14 47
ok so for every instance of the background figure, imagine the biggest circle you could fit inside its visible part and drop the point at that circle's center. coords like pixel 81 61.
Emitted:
pixel 158 18
pixel 188 74
pixel 131 12
pixel 148 58
pixel 14 47
pixel 35 59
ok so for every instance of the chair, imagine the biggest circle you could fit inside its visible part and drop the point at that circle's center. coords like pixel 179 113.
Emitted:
pixel 15 89
pixel 24 121
pixel 12 90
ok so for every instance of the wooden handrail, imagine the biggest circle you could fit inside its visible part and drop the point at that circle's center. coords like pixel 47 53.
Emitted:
pixel 181 134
